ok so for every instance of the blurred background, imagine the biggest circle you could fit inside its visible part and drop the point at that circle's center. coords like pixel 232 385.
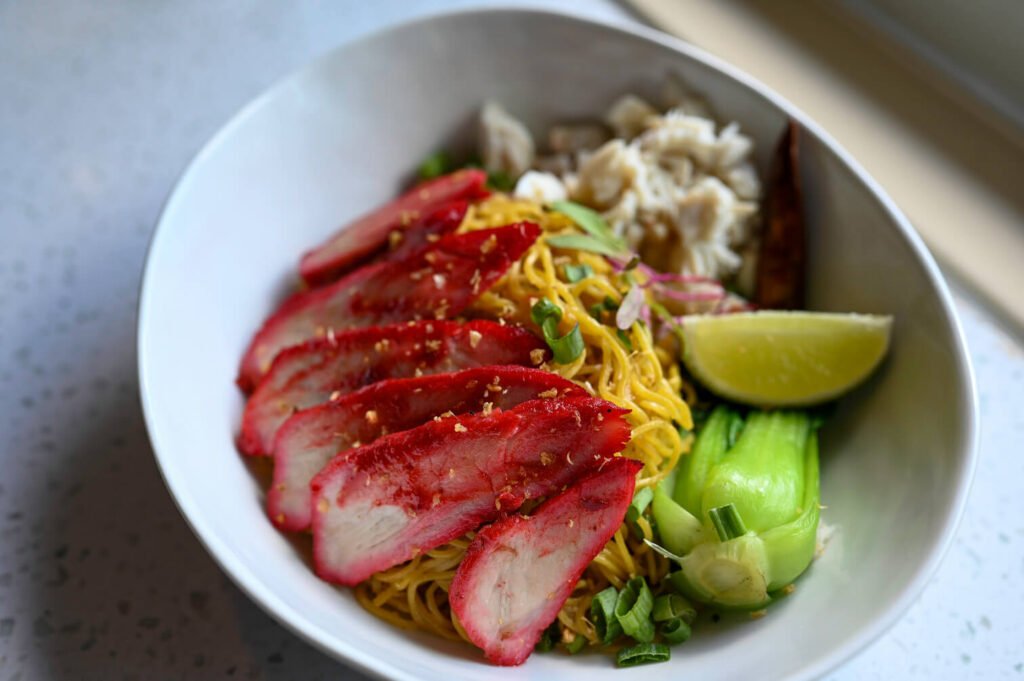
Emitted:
pixel 103 105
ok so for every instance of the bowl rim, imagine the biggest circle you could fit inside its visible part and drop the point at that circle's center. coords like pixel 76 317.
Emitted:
pixel 293 620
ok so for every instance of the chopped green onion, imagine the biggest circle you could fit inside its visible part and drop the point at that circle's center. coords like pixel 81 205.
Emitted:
pixel 501 181
pixel 672 606
pixel 543 310
pixel 435 165
pixel 633 610
pixel 602 615
pixel 565 348
pixel 581 242
pixel 624 337
pixel 642 653
pixel 727 522
pixel 576 645
pixel 592 223
pixel 597 310
pixel 641 500
pixel 575 273
pixel 675 631
pixel 548 638
pixel 632 264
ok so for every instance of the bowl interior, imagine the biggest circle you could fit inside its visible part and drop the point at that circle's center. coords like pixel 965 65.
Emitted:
pixel 343 135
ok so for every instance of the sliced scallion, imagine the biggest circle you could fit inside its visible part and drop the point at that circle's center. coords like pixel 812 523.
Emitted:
pixel 672 606
pixel 633 610
pixel 548 638
pixel 643 653
pixel 576 645
pixel 575 273
pixel 543 310
pixel 435 165
pixel 727 522
pixel 501 181
pixel 641 500
pixel 602 615
pixel 624 339
pixel 675 631
pixel 565 348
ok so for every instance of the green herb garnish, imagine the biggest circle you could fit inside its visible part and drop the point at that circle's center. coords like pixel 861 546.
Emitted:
pixel 675 631
pixel 727 522
pixel 501 181
pixel 575 273
pixel 641 500
pixel 602 615
pixel 624 338
pixel 672 606
pixel 592 223
pixel 576 645
pixel 582 242
pixel 643 653
pixel 435 165
pixel 633 610
pixel 548 638
pixel 565 349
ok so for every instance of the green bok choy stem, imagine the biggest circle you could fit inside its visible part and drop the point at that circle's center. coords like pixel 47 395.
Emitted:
pixel 758 503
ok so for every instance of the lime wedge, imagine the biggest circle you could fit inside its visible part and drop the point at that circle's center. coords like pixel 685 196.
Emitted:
pixel 782 359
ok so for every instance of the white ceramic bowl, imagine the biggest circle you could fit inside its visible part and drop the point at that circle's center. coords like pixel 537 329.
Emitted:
pixel 343 134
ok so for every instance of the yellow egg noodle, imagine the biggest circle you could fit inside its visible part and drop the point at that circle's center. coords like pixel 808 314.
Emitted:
pixel 644 380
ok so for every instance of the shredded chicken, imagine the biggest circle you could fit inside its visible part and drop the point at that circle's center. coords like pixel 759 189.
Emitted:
pixel 505 144
pixel 681 191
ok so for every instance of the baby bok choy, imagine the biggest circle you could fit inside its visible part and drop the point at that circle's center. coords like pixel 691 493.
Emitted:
pixel 742 518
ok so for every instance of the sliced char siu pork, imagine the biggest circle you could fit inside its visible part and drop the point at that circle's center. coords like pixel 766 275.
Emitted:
pixel 371 232
pixel 436 282
pixel 311 438
pixel 427 230
pixel 518 572
pixel 308 374
pixel 412 491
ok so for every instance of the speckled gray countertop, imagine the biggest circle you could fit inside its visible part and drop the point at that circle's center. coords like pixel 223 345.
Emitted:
pixel 101 106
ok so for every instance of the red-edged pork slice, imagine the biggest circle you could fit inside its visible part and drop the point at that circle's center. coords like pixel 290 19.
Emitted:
pixel 309 374
pixel 426 230
pixel 369 233
pixel 435 282
pixel 311 438
pixel 413 491
pixel 518 572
